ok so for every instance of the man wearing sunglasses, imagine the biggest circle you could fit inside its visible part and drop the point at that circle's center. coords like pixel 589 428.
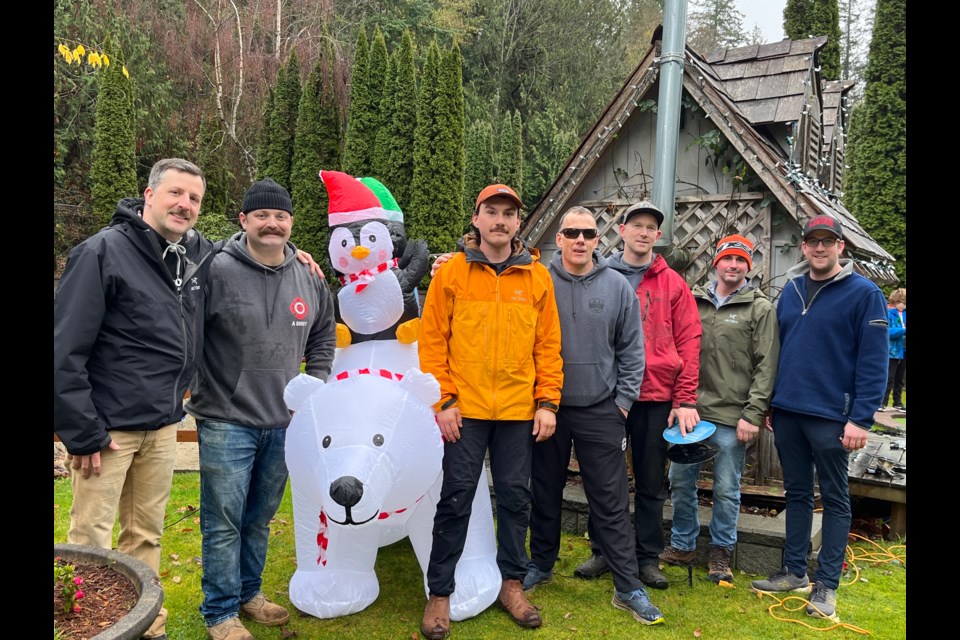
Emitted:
pixel 668 394
pixel 831 378
pixel 602 351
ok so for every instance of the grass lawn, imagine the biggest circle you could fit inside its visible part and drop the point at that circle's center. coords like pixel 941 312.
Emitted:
pixel 874 602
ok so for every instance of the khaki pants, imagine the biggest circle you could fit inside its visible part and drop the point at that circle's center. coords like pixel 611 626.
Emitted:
pixel 135 484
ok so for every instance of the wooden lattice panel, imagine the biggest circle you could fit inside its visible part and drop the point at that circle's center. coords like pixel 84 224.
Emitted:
pixel 701 222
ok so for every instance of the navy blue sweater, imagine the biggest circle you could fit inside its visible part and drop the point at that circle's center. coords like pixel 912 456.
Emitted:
pixel 833 352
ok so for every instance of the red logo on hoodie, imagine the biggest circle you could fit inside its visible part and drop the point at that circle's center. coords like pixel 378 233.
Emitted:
pixel 299 308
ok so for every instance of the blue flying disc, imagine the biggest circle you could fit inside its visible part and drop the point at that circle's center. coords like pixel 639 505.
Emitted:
pixel 701 431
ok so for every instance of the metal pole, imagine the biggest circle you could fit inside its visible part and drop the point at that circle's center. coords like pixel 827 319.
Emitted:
pixel 668 113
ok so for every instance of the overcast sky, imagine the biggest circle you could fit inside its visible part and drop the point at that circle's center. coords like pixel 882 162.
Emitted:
pixel 766 13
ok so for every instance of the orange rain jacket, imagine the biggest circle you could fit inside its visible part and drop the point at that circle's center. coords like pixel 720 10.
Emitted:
pixel 492 342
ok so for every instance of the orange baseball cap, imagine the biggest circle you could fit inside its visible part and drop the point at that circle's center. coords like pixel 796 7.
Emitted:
pixel 497 190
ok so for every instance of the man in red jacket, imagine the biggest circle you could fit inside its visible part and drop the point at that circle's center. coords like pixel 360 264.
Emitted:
pixel 671 332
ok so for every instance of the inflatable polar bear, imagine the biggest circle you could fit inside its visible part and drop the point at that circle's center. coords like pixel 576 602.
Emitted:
pixel 364 455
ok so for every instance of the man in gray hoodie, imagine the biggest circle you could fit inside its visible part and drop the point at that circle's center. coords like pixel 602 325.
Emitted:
pixel 603 362
pixel 265 313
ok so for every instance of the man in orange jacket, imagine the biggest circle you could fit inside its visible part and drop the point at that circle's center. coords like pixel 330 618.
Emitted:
pixel 490 334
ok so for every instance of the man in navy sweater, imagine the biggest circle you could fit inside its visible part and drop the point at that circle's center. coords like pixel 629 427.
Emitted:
pixel 831 378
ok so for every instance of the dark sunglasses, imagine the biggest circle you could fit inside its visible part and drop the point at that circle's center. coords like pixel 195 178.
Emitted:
pixel 572 234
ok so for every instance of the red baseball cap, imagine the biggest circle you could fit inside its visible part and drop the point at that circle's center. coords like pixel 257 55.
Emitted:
pixel 497 190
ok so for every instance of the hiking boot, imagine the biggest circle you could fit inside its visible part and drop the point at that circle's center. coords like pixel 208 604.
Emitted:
pixel 782 582
pixel 511 598
pixel 639 605
pixel 719 565
pixel 436 618
pixel 594 567
pixel 678 557
pixel 230 629
pixel 651 576
pixel 535 576
pixel 261 610
pixel 823 602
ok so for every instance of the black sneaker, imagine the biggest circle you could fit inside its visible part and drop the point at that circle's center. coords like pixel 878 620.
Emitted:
pixel 900 407
pixel 535 576
pixel 594 567
pixel 639 605
pixel 782 582
pixel 823 603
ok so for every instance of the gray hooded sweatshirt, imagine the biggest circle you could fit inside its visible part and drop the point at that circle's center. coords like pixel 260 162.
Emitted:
pixel 260 322
pixel 602 338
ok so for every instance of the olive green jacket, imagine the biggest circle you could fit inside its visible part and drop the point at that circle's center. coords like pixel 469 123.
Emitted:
pixel 739 350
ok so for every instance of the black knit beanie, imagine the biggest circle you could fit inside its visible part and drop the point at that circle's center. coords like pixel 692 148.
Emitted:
pixel 267 194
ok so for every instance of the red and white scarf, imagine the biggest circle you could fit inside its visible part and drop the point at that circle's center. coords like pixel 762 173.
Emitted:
pixel 367 275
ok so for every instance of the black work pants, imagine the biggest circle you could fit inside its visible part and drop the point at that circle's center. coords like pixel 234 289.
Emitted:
pixel 511 448
pixel 598 433
pixel 645 424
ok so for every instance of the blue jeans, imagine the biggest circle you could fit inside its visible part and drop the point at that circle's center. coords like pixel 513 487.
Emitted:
pixel 727 467
pixel 806 444
pixel 243 475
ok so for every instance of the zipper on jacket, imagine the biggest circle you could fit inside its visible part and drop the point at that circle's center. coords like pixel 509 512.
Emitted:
pixel 496 350
pixel 803 302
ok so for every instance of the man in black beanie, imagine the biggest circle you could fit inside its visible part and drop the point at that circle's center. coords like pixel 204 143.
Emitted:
pixel 265 313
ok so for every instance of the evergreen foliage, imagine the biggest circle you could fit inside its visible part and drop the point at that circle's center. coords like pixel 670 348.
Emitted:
pixel 479 169
pixel 357 153
pixel 377 81
pixel 113 173
pixel 450 147
pixel 317 147
pixel 399 106
pixel 419 219
pixel 550 139
pixel 715 24
pixel 283 122
pixel 218 217
pixel 798 19
pixel 510 153
pixel 263 143
pixel 876 184
pixel 826 22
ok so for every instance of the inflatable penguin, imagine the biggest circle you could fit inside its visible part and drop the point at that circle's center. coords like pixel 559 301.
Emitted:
pixel 376 264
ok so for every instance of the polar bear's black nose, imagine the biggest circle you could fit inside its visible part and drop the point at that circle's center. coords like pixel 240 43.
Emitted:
pixel 346 491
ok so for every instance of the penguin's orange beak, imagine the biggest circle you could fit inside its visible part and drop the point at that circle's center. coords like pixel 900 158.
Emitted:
pixel 360 252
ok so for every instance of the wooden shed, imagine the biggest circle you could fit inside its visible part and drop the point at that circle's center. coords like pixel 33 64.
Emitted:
pixel 760 150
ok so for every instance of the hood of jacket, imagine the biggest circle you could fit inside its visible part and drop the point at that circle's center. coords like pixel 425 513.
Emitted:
pixel 520 253
pixel 615 262
pixel 803 268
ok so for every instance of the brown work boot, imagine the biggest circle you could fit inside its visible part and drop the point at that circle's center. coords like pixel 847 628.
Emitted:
pixel 515 602
pixel 261 610
pixel 678 557
pixel 436 618
pixel 719 565
pixel 230 629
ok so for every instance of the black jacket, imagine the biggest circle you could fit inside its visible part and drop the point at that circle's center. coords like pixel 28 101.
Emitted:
pixel 126 341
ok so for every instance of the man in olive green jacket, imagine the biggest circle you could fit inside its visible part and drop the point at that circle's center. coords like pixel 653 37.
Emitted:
pixel 738 364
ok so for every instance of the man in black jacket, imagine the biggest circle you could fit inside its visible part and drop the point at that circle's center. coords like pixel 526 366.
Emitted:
pixel 126 341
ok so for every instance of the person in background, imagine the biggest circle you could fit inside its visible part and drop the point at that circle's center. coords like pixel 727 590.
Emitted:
pixel 897 371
